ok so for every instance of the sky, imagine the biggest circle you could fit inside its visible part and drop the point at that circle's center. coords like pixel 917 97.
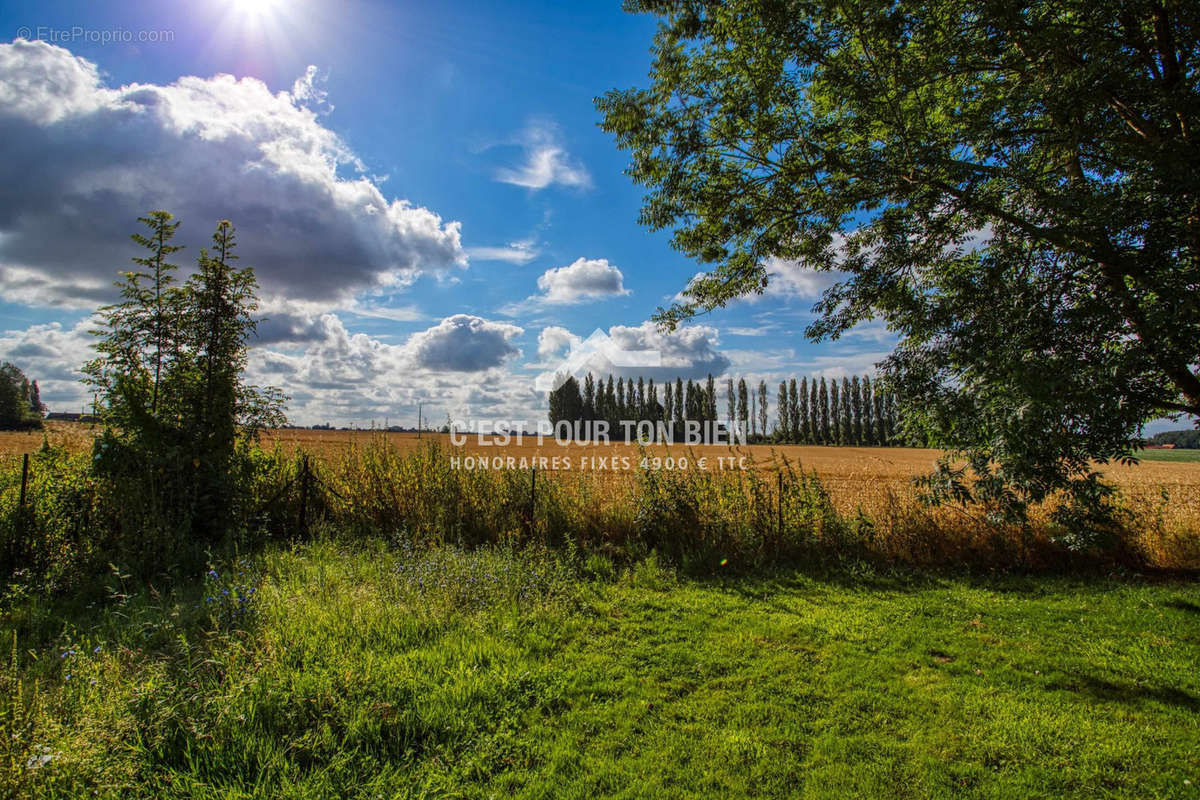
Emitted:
pixel 432 212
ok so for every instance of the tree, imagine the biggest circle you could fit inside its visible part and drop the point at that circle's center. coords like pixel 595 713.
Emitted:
pixel 743 412
pixel 793 413
pixel 566 402
pixel 835 413
pixel 847 424
pixel 168 378
pixel 589 397
pixel 668 403
pixel 35 399
pixel 804 429
pixel 823 397
pixel 762 408
pixel 1013 188
pixel 783 413
pixel 680 406
pixel 856 410
pixel 868 416
pixel 814 414
pixel 17 396
pixel 731 400
pixel 710 399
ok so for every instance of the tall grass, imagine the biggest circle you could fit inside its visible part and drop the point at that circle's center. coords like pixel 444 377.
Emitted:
pixel 75 524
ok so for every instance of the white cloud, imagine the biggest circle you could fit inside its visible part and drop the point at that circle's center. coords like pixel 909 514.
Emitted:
pixel 518 252
pixel 794 279
pixel 555 341
pixel 643 351
pixel 583 279
pixel 546 161
pixel 83 161
pixel 464 343
pixel 52 354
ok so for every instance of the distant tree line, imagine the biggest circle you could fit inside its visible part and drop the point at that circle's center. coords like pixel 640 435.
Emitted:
pixel 849 411
pixel 1184 440
pixel 21 404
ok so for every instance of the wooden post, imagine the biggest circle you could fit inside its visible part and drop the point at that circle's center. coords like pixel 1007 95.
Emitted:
pixel 24 481
pixel 304 495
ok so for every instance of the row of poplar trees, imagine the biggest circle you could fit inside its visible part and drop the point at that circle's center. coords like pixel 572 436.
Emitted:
pixel 849 411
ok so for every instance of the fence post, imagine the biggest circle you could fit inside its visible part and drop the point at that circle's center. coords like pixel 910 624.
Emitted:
pixel 24 482
pixel 304 494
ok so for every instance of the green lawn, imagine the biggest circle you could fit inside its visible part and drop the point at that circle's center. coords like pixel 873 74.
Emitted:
pixel 436 673
pixel 1169 455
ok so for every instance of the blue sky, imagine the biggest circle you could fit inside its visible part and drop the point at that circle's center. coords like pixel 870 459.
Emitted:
pixel 432 210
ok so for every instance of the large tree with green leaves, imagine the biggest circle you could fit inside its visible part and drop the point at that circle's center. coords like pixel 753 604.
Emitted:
pixel 1013 187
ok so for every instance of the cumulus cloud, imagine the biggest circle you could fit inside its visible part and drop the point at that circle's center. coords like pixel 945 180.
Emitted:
pixel 83 161
pixel 554 341
pixel 52 354
pixel 641 351
pixel 464 343
pixel 546 161
pixel 583 279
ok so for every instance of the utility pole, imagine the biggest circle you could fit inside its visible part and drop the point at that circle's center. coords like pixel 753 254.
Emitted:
pixel 418 420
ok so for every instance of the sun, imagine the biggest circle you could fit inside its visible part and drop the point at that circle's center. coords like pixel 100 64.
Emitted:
pixel 256 9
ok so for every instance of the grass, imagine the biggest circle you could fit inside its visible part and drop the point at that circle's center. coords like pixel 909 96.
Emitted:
pixel 372 671
pixel 1177 456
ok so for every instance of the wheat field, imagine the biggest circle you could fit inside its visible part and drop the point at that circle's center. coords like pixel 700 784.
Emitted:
pixel 855 476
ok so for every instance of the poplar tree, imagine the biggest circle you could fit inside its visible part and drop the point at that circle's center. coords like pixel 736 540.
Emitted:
pixel 835 412
pixel 731 400
pixel 680 406
pixel 868 415
pixel 743 407
pixel 762 407
pixel 794 412
pixel 783 413
pixel 856 409
pixel 847 413
pixel 823 397
pixel 814 413
pixel 589 397
pixel 806 431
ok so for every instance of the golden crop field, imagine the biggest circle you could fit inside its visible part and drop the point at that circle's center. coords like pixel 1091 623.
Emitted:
pixel 855 476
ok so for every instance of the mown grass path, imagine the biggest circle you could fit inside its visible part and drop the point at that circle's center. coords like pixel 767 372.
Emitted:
pixel 439 673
